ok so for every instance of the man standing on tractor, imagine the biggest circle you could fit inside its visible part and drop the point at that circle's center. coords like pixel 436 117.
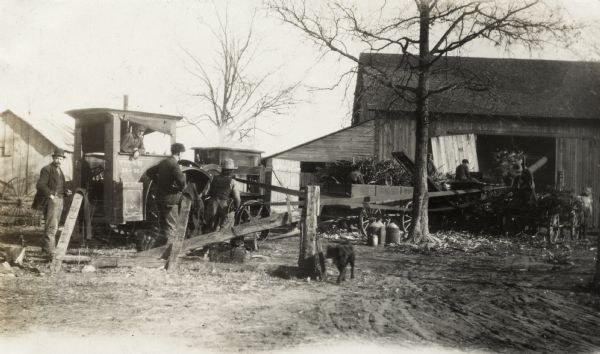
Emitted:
pixel 222 191
pixel 170 182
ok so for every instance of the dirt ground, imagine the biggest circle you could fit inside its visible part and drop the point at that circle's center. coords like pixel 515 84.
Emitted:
pixel 476 293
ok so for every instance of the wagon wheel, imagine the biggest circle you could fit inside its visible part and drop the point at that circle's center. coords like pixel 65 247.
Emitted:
pixel 553 228
pixel 575 226
pixel 17 194
pixel 406 217
pixel 365 216
pixel 250 212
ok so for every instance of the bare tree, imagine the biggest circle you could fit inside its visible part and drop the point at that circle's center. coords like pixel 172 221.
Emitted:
pixel 233 95
pixel 423 31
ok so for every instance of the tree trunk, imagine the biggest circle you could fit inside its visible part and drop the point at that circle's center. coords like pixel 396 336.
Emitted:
pixel 310 261
pixel 420 226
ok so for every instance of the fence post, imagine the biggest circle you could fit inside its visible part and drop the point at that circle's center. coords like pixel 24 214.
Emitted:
pixel 310 260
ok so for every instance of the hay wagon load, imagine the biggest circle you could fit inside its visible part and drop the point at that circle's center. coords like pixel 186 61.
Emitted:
pixel 382 202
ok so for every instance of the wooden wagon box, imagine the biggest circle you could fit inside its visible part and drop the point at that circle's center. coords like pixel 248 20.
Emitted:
pixel 365 190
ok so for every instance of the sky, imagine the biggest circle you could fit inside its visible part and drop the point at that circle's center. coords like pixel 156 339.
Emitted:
pixel 70 54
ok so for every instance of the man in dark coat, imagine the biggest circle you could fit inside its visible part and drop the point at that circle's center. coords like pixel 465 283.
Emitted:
pixel 170 182
pixel 49 197
pixel 222 190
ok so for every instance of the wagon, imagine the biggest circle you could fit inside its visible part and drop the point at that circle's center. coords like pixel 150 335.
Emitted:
pixel 370 202
pixel 122 198
pixel 552 214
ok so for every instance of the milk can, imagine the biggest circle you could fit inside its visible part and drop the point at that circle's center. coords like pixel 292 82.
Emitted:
pixel 392 233
pixel 373 232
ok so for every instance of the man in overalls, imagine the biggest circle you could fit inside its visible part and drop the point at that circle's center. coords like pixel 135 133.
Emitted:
pixel 222 190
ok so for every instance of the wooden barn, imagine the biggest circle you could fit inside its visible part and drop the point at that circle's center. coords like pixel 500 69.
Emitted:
pixel 543 107
pixel 26 146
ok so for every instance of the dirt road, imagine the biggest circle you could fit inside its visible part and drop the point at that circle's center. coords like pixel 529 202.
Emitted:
pixel 501 300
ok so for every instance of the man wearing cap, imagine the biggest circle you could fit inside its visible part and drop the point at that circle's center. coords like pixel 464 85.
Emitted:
pixel 462 171
pixel 170 182
pixel 222 189
pixel 49 199
pixel 133 142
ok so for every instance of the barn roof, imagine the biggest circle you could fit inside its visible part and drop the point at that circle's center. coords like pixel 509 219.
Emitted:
pixel 93 112
pixel 511 87
pixel 356 141
pixel 58 134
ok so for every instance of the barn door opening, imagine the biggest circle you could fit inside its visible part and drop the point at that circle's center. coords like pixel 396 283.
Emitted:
pixel 534 149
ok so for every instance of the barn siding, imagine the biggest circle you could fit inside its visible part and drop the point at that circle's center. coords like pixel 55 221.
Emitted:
pixel 580 161
pixel 283 173
pixel 448 152
pixel 25 151
pixel 351 143
pixel 395 135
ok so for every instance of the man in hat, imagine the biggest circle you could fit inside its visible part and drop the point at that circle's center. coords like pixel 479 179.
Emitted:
pixel 133 142
pixel 170 183
pixel 49 197
pixel 222 190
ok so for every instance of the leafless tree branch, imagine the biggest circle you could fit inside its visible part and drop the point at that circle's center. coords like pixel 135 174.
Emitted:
pixel 235 97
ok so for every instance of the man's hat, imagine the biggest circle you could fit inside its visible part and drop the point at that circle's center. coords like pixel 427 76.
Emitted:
pixel 177 148
pixel 140 128
pixel 58 152
pixel 227 164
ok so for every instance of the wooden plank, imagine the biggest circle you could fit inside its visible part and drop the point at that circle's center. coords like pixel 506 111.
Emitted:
pixel 270 222
pixel 382 199
pixel 182 222
pixel 72 258
pixel 65 236
pixel 409 166
pixel 113 262
pixel 272 187
pixel 362 190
